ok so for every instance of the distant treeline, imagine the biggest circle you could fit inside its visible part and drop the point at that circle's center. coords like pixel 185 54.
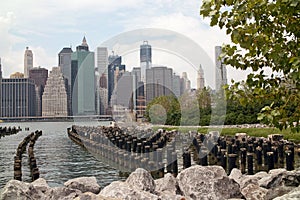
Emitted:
pixel 203 108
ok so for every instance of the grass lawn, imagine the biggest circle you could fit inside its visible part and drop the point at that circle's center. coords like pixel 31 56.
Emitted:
pixel 256 132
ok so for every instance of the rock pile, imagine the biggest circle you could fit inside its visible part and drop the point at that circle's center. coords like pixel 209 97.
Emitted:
pixel 196 182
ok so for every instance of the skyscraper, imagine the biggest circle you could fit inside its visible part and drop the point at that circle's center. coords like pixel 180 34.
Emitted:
pixel 125 90
pixel 83 80
pixel 185 83
pixel 0 70
pixel 102 60
pixel 39 76
pixel 102 100
pixel 17 98
pixel 136 71
pixel 55 100
pixel 64 62
pixel 145 59
pixel 176 85
pixel 115 71
pixel 200 78
pixel 103 103
pixel 28 62
pixel 0 87
pixel 158 82
pixel 221 72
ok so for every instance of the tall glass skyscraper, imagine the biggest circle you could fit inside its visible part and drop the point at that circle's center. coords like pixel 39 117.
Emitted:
pixel 145 59
pixel 83 80
pixel 64 62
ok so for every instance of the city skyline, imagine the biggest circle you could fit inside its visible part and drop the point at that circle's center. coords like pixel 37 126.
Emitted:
pixel 20 29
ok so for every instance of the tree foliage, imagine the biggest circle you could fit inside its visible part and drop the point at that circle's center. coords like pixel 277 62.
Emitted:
pixel 164 110
pixel 196 108
pixel 264 34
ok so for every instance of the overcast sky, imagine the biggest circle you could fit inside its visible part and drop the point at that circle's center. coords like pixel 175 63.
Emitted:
pixel 48 26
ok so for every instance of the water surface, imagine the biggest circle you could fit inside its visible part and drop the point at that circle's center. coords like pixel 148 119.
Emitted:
pixel 58 158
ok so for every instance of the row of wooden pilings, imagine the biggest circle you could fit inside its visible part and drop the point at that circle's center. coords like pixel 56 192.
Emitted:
pixel 250 154
pixel 34 171
pixel 128 151
pixel 162 150
pixel 5 131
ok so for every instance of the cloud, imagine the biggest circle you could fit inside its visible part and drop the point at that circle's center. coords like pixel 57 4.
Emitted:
pixel 47 26
pixel 9 57
pixel 194 27
pixel 191 27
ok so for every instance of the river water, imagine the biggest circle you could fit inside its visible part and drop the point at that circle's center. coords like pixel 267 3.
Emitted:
pixel 58 158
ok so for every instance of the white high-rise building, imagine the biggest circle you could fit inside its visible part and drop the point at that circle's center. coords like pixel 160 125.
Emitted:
pixel 186 83
pixel 28 62
pixel 54 99
pixel 221 72
pixel 200 78
pixel 102 60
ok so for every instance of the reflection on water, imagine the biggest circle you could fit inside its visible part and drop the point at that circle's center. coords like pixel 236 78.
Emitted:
pixel 58 158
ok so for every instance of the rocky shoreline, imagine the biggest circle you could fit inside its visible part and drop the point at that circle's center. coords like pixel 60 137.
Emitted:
pixel 196 182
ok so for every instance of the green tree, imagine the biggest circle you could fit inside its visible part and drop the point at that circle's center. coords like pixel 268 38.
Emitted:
pixel 265 34
pixel 164 109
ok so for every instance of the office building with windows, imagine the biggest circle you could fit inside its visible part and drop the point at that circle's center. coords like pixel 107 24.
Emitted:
pixel 83 80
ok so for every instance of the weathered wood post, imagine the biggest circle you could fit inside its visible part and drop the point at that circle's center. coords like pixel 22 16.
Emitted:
pixel 243 160
pixel 231 162
pixel 270 160
pixel 258 153
pixel 186 159
pixel 250 163
pixel 289 160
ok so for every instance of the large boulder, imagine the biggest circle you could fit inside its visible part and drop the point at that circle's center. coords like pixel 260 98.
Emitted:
pixel 254 192
pixel 258 175
pixel 41 185
pixel 280 177
pixel 123 190
pixel 273 178
pixel 84 184
pixel 92 196
pixel 167 184
pixel 278 191
pixel 141 179
pixel 62 193
pixel 168 196
pixel 294 194
pixel 15 189
pixel 236 175
pixel 210 182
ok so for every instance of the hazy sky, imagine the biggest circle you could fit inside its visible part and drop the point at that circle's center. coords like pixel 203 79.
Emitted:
pixel 48 26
